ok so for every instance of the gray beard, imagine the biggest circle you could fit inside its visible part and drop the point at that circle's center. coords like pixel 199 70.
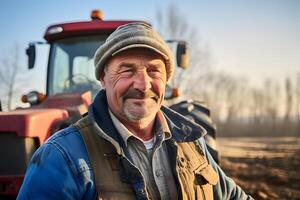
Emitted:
pixel 136 114
pixel 133 116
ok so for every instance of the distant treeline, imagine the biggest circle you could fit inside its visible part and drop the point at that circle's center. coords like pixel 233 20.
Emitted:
pixel 239 109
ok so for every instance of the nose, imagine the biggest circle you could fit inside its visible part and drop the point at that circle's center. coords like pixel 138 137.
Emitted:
pixel 142 81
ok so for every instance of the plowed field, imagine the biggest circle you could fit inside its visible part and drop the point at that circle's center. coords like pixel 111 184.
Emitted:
pixel 266 168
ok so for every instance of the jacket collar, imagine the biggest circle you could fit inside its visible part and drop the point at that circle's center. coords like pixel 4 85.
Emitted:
pixel 182 128
pixel 98 111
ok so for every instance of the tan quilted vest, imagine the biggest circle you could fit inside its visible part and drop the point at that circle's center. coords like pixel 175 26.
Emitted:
pixel 195 175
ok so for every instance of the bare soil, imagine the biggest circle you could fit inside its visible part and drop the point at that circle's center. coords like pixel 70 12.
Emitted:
pixel 266 168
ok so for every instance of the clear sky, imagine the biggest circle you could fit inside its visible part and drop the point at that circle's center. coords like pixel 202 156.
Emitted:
pixel 255 38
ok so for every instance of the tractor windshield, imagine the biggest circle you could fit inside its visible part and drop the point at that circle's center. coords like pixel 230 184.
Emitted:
pixel 71 65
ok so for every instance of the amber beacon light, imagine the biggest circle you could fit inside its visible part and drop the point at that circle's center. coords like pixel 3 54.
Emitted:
pixel 97 15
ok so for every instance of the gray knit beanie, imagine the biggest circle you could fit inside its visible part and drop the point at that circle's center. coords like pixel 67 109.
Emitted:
pixel 133 35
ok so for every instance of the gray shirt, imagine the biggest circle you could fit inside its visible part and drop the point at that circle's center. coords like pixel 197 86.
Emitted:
pixel 151 158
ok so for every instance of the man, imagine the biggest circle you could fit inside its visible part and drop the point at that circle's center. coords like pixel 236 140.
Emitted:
pixel 129 146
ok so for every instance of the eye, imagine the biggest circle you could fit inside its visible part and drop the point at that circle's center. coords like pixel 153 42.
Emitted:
pixel 126 72
pixel 154 72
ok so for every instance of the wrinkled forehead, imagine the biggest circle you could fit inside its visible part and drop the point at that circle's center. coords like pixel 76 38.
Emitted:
pixel 141 54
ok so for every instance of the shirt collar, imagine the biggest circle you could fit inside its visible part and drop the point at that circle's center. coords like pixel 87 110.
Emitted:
pixel 161 126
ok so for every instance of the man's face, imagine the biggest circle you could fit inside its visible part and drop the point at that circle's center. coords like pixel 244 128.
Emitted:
pixel 135 81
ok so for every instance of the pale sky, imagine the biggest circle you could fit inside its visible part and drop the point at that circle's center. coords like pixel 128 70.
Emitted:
pixel 254 39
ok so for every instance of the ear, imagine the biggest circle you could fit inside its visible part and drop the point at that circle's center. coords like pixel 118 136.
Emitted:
pixel 102 79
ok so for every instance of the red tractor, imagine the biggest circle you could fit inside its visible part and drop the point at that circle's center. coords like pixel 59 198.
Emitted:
pixel 71 86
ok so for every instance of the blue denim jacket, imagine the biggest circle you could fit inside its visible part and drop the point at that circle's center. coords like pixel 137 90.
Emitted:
pixel 60 168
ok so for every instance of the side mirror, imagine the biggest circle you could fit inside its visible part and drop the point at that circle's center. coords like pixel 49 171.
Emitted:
pixel 182 55
pixel 30 51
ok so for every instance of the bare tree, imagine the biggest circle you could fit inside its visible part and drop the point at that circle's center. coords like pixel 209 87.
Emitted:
pixel 235 91
pixel 9 70
pixel 297 102
pixel 288 100
pixel 172 24
pixel 256 105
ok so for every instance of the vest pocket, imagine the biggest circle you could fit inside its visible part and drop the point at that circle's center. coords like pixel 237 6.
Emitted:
pixel 205 177
pixel 195 175
pixel 197 184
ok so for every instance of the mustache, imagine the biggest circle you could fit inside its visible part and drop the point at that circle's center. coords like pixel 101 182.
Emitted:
pixel 138 94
